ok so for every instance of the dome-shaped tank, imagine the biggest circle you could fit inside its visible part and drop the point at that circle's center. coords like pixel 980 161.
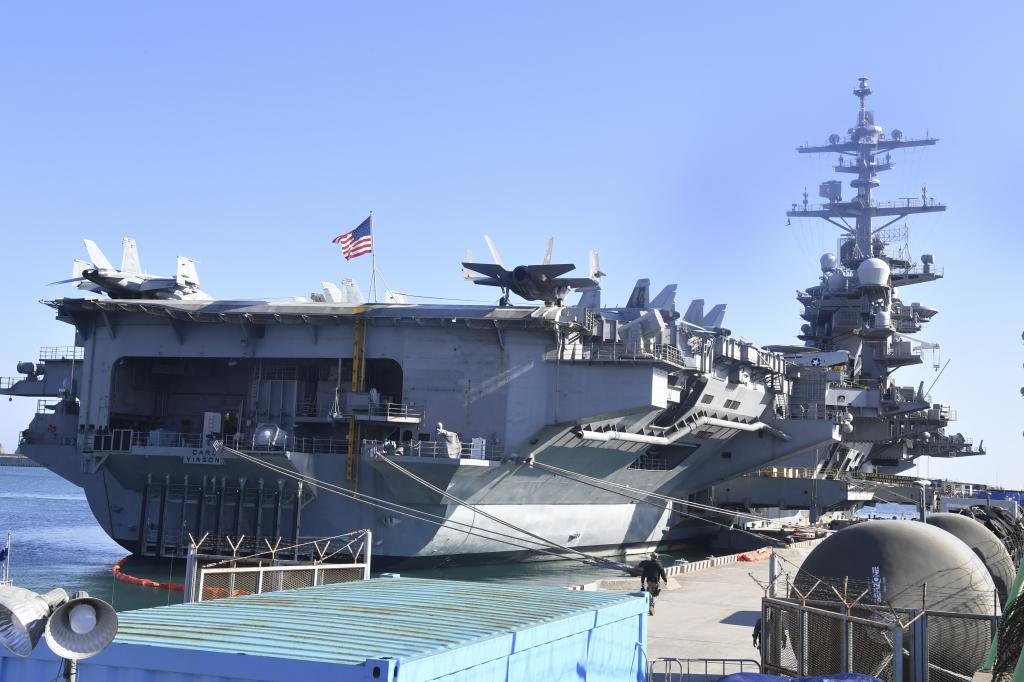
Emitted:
pixel 874 272
pixel 893 561
pixel 984 543
pixel 828 262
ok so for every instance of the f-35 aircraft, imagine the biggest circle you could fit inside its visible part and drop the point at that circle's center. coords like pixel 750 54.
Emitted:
pixel 532 282
pixel 99 275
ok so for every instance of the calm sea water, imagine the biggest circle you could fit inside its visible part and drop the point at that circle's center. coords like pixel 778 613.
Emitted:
pixel 57 543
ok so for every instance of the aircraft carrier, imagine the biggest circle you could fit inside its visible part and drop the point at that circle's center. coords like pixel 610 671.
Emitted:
pixel 477 432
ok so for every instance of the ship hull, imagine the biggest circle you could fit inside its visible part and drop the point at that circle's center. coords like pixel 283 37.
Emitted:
pixel 151 505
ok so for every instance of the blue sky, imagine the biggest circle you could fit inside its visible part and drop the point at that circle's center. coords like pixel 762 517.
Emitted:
pixel 247 135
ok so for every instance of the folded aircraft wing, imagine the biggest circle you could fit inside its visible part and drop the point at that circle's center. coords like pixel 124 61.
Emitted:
pixel 551 271
pixel 488 269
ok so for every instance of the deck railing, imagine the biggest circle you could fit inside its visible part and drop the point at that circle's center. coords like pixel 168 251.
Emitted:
pixel 394 411
pixel 479 449
pixel 618 352
pixel 61 353
pixel 123 440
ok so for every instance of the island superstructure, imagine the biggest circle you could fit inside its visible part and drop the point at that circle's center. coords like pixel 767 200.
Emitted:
pixel 857 333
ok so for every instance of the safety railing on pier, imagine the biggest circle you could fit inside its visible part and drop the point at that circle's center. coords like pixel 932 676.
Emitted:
pixel 804 638
pixel 218 583
pixel 216 576
pixel 478 448
pixel 667 669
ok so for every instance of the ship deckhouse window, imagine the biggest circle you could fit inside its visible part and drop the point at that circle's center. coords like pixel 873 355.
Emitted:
pixel 708 399
pixel 732 404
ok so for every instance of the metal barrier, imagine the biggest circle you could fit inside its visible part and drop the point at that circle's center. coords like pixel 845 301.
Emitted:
pixel 698 669
pixel 61 353
pixel 123 440
pixel 799 640
pixel 617 352
pixel 47 406
pixel 234 576
pixel 434 449
pixel 388 411
pixel 218 583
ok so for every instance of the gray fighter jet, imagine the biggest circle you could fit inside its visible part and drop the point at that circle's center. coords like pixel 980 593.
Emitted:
pixel 542 282
pixel 641 303
pixel 99 275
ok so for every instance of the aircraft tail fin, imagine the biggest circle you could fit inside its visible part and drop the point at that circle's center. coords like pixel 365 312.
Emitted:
pixel 331 292
pixel 187 276
pixel 466 272
pixel 130 257
pixel 641 294
pixel 96 255
pixel 494 251
pixel 590 298
pixel 348 293
pixel 666 300
pixel 595 266
pixel 351 293
pixel 548 250
pixel 715 317
pixel 695 313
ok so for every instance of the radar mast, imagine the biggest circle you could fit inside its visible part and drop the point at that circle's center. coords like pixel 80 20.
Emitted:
pixel 863 145
pixel 857 329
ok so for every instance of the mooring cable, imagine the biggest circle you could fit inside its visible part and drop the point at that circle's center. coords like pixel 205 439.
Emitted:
pixel 426 517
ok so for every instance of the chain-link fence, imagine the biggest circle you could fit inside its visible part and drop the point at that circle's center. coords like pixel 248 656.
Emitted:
pixel 802 638
pixel 217 583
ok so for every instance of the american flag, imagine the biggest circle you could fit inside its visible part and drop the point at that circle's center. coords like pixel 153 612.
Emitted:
pixel 358 242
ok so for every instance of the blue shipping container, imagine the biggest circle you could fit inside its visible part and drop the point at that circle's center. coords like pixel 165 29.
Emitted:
pixel 388 629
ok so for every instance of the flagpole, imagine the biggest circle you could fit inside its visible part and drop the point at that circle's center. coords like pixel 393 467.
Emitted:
pixel 373 263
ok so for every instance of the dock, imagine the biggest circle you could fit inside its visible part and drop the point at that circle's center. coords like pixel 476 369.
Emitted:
pixel 709 608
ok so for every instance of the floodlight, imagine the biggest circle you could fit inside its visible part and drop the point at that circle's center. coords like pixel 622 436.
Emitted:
pixel 23 615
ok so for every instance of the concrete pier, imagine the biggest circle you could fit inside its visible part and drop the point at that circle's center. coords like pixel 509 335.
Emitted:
pixel 710 612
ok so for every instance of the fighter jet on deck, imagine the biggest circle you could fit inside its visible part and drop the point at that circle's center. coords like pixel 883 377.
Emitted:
pixel 128 281
pixel 532 282
pixel 640 304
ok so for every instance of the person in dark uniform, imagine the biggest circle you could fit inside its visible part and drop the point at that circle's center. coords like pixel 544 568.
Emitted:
pixel 652 573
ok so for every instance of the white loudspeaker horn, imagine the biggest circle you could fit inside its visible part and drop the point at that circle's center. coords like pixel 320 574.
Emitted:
pixel 22 616
pixel 81 628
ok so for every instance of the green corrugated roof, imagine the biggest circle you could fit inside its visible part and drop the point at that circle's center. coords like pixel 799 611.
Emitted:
pixel 406 618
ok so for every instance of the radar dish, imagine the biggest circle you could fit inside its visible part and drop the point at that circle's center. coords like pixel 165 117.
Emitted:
pixel 897 134
pixel 833 139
